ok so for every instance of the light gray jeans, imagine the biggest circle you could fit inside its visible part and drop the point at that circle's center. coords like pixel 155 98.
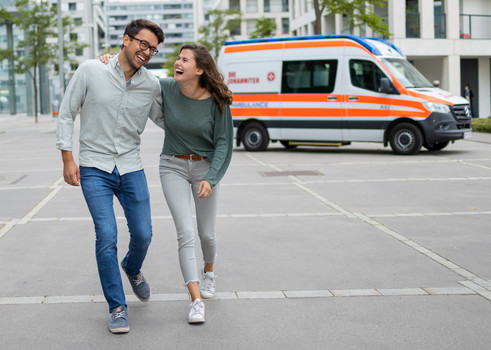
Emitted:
pixel 180 179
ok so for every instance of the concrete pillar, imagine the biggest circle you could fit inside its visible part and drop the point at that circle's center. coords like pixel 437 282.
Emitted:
pixel 452 14
pixel 451 74
pixel 338 23
pixel 427 19
pixel 397 18
pixel 484 98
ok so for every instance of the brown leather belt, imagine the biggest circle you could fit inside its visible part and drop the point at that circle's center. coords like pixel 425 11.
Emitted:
pixel 190 157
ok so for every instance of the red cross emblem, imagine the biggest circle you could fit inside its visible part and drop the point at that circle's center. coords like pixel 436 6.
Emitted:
pixel 271 76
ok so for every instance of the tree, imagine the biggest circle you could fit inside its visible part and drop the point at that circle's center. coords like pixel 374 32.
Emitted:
pixel 358 12
pixel 38 20
pixel 220 29
pixel 265 28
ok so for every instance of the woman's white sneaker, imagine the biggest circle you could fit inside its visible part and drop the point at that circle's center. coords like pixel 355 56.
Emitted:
pixel 208 284
pixel 197 312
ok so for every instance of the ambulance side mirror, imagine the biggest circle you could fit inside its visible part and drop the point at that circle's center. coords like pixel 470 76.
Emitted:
pixel 386 87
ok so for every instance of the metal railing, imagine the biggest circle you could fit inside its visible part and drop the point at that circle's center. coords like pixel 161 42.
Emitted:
pixel 475 26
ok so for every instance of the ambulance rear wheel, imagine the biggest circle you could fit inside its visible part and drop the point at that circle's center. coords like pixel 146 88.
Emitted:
pixel 405 138
pixel 255 137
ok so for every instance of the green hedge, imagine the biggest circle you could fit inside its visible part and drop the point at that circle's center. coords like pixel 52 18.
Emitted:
pixel 481 124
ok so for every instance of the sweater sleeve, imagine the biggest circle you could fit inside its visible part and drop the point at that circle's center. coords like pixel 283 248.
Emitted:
pixel 223 140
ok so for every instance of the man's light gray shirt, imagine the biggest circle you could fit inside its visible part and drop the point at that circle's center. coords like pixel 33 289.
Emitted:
pixel 113 114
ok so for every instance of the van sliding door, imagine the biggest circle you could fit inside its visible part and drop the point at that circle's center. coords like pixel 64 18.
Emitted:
pixel 310 109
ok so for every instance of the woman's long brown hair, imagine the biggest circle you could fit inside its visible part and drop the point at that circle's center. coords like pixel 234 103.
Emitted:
pixel 211 79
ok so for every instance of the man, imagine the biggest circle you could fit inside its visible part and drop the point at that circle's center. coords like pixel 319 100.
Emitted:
pixel 115 101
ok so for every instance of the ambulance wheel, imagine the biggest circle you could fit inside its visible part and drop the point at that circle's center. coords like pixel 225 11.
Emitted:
pixel 255 137
pixel 286 144
pixel 437 146
pixel 405 138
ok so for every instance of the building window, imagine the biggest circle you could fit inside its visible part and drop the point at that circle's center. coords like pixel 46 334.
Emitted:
pixel 251 6
pixel 251 26
pixel 285 26
pixel 235 31
pixel 275 6
pixel 72 6
pixel 79 52
pixel 284 6
pixel 412 19
pixel 235 4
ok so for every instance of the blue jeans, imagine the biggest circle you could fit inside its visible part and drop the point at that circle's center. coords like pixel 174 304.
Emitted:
pixel 131 190
pixel 180 180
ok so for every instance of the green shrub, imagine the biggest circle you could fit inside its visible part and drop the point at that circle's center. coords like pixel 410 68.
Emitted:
pixel 481 124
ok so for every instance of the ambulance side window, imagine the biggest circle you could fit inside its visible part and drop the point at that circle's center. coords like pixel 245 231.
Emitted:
pixel 365 74
pixel 309 77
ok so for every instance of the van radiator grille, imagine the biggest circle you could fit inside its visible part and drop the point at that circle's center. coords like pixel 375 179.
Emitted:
pixel 462 112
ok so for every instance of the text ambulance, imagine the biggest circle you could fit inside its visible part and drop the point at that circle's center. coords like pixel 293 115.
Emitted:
pixel 321 90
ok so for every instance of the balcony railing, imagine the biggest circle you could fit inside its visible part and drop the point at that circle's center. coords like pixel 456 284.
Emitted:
pixel 475 26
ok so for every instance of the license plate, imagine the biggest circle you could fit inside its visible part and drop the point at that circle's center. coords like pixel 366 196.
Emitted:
pixel 467 135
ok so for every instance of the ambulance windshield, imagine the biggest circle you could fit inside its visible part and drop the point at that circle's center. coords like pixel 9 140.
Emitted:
pixel 406 73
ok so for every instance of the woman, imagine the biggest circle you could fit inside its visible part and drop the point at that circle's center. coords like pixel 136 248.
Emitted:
pixel 196 154
pixel 197 151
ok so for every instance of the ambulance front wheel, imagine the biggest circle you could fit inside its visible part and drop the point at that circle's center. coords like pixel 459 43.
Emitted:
pixel 255 137
pixel 405 138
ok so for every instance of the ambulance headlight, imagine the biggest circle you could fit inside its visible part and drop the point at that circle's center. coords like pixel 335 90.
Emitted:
pixel 437 107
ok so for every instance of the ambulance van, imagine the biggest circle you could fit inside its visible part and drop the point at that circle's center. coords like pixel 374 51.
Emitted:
pixel 334 90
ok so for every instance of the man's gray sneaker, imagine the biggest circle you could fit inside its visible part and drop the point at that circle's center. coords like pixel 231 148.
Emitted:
pixel 119 321
pixel 139 285
pixel 207 287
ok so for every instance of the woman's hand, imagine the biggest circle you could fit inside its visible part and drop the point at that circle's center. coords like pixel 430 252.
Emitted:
pixel 204 189
pixel 105 58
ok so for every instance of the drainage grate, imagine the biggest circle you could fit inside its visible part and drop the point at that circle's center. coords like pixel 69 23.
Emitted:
pixel 291 173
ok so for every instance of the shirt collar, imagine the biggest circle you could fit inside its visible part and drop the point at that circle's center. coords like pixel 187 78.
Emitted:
pixel 114 62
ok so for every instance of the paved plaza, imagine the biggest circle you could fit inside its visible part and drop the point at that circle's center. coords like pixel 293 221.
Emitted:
pixel 319 248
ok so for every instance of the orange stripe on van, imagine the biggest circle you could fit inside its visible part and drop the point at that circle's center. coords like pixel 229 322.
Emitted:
pixel 255 112
pixel 370 99
pixel 309 44
pixel 253 47
pixel 313 112
pixel 413 114
pixel 429 98
pixel 310 98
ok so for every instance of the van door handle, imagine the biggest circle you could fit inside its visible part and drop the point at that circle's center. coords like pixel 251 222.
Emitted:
pixel 332 98
pixel 352 98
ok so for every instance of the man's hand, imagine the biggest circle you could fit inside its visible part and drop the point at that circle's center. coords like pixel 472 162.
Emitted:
pixel 71 172
pixel 204 189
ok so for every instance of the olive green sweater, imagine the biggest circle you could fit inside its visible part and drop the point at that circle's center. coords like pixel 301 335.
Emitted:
pixel 197 127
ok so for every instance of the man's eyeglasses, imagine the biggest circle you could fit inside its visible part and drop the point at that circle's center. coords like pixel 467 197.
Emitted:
pixel 144 45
